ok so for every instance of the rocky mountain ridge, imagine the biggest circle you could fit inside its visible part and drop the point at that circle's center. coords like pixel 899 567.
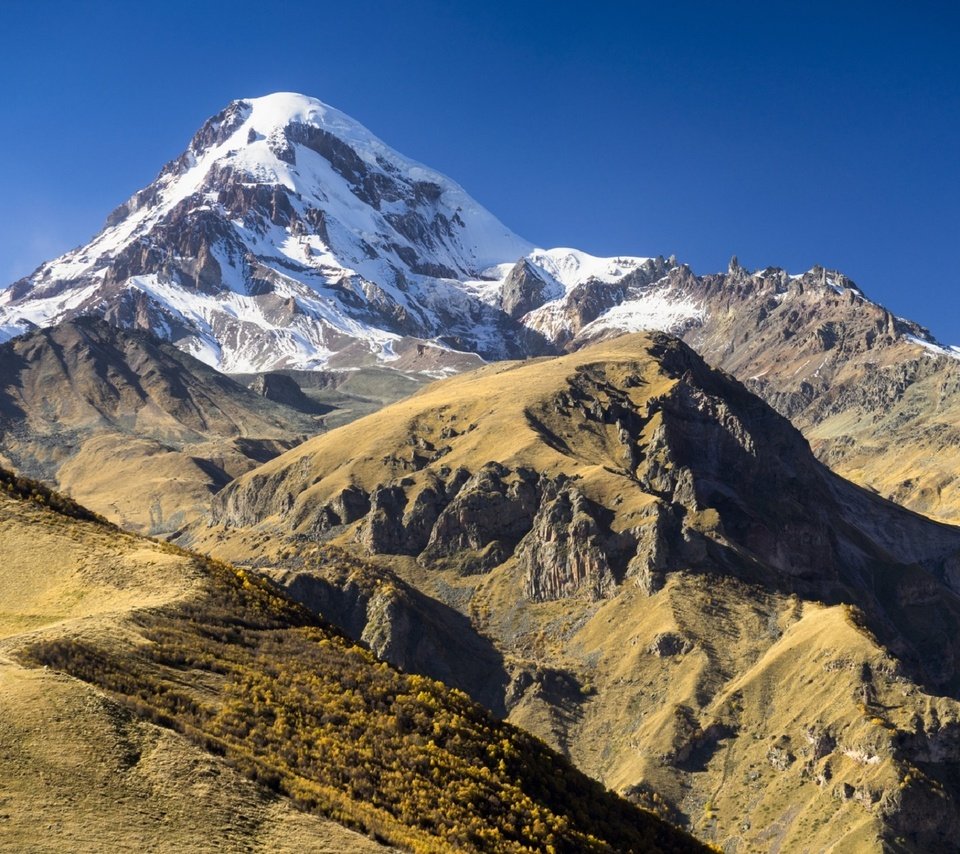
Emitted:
pixel 677 594
pixel 874 394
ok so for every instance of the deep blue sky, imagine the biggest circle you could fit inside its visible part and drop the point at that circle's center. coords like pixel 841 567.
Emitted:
pixel 786 133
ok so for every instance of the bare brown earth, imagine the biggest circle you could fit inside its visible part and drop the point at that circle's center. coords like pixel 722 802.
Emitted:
pixel 78 772
pixel 131 427
pixel 663 582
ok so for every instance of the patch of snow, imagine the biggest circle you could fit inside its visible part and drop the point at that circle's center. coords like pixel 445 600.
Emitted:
pixel 486 240
pixel 861 756
pixel 46 311
pixel 571 267
pixel 664 309
pixel 256 342
pixel 561 269
pixel 934 348
pixel 387 352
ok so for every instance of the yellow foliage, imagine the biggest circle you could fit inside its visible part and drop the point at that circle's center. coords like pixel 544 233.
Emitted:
pixel 302 710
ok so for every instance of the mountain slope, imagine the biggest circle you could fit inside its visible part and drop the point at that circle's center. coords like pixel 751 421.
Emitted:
pixel 79 772
pixel 135 428
pixel 289 236
pixel 876 396
pixel 244 682
pixel 682 598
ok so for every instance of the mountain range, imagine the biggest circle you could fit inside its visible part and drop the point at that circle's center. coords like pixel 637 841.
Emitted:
pixel 657 577
pixel 287 236
pixel 693 531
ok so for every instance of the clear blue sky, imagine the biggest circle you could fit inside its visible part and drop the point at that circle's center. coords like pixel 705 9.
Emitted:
pixel 786 133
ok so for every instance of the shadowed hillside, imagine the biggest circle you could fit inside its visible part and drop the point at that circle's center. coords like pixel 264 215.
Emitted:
pixel 132 427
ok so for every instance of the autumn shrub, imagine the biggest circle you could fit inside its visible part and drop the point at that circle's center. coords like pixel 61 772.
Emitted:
pixel 296 706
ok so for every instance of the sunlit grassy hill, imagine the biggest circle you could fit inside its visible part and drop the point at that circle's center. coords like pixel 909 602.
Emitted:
pixel 201 709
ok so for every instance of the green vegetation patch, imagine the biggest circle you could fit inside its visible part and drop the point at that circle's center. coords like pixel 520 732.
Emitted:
pixel 251 676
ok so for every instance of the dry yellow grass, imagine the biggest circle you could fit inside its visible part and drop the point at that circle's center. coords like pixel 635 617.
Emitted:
pixel 55 571
pixel 79 773
pixel 755 727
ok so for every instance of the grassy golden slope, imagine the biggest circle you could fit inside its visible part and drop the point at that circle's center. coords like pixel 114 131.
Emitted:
pixel 906 448
pixel 770 720
pixel 82 774
pixel 78 771
pixel 440 424
pixel 242 680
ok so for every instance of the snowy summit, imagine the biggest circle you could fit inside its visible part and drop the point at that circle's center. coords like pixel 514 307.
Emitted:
pixel 288 235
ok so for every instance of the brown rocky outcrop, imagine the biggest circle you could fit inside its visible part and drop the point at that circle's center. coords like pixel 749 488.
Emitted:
pixel 525 289
pixel 564 551
pixel 491 512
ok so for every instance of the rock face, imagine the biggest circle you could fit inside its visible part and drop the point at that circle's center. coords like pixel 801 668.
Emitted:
pixel 281 388
pixel 525 288
pixel 489 514
pixel 683 598
pixel 564 551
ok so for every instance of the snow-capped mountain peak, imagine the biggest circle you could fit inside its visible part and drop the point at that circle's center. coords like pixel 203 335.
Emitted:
pixel 289 235
pixel 285 233
pixel 326 161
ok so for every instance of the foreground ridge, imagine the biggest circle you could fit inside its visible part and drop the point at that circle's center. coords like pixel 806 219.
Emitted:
pixel 242 672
